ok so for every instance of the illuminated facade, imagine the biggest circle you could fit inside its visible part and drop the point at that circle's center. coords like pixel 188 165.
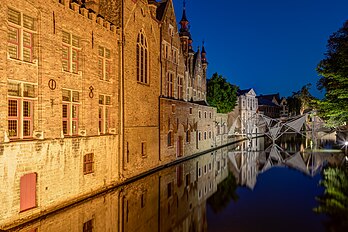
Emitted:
pixel 91 95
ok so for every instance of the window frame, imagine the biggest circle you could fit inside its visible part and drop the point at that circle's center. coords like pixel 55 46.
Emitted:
pixel 21 29
pixel 104 111
pixel 70 119
pixel 71 48
pixel 142 59
pixel 88 163
pixel 21 117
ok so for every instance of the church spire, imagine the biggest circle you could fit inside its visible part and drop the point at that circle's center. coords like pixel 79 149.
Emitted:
pixel 203 54
pixel 184 30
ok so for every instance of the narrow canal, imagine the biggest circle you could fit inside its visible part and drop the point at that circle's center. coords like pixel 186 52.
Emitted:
pixel 244 187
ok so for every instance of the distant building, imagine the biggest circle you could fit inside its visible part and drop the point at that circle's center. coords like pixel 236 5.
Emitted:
pixel 247 106
pixel 273 106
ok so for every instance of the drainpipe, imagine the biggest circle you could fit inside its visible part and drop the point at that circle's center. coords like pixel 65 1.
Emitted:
pixel 122 93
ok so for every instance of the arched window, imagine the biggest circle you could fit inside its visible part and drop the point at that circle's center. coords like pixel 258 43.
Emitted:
pixel 142 59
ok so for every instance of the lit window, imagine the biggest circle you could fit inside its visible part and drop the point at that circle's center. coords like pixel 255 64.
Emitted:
pixel 88 163
pixel 70 52
pixel 104 63
pixel 70 118
pixel 142 59
pixel 104 113
pixel 20 35
pixel 170 84
pixel 20 109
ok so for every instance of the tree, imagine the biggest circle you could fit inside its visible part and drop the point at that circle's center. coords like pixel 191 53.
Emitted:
pixel 226 191
pixel 334 71
pixel 221 94
pixel 301 100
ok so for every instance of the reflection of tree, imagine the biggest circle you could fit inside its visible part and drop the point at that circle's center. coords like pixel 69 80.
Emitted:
pixel 226 191
pixel 334 201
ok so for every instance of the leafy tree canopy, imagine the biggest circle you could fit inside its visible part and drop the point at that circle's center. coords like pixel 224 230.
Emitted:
pixel 221 94
pixel 334 71
pixel 301 100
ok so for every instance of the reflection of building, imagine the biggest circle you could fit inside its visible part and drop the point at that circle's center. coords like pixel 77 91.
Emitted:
pixel 246 162
pixel 173 199
pixel 88 105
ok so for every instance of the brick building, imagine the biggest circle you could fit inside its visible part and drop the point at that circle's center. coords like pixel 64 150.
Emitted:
pixel 93 93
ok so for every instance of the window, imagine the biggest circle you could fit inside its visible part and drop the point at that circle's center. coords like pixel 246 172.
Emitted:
pixel 175 55
pixel 104 63
pixel 205 114
pixel 88 226
pixel 210 115
pixel 88 163
pixel 70 112
pixel 27 191
pixel 170 84
pixel 70 52
pixel 170 139
pixel 199 114
pixel 142 59
pixel 180 89
pixel 104 113
pixel 199 136
pixel 20 35
pixel 205 135
pixel 20 109
pixel 190 110
pixel 143 148
pixel 188 136
pixel 209 134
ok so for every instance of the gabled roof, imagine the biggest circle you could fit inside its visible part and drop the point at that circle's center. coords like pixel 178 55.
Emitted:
pixel 245 91
pixel 266 102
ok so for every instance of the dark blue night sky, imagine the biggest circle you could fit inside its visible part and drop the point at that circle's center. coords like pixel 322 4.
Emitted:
pixel 269 45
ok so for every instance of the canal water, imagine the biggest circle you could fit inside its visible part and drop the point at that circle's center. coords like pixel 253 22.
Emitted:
pixel 253 186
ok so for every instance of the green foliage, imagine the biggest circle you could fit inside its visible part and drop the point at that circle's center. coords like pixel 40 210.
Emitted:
pixel 226 191
pixel 334 71
pixel 301 100
pixel 221 94
pixel 334 201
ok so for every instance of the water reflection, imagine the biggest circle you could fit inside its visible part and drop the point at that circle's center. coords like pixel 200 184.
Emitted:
pixel 175 199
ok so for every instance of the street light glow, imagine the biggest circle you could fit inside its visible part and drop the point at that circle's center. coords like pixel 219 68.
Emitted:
pixel 346 143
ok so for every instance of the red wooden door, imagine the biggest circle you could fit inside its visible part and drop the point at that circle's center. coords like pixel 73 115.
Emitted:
pixel 28 191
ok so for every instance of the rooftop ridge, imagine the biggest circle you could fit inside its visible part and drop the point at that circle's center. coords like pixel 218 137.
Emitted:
pixel 89 14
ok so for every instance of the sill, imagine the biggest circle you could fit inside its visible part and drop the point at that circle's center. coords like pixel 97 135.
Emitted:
pixel 144 156
pixel 142 83
pixel 21 139
pixel 87 173
pixel 108 81
pixel 33 62
pixel 79 73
